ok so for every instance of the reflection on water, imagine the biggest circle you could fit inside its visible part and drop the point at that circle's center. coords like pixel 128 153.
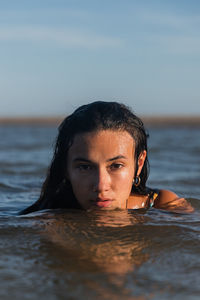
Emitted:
pixel 103 254
pixel 104 239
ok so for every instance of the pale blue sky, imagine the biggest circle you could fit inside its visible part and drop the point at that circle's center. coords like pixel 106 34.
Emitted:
pixel 56 55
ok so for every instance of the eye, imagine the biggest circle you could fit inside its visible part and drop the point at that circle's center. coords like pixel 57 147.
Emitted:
pixel 116 166
pixel 84 167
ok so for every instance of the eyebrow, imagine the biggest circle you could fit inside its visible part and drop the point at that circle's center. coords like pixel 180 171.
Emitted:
pixel 110 159
pixel 116 157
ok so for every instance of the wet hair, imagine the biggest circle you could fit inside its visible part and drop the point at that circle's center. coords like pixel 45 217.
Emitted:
pixel 57 191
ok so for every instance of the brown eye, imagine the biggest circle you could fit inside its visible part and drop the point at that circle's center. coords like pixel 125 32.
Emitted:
pixel 84 167
pixel 116 166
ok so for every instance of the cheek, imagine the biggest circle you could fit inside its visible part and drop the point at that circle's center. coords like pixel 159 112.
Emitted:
pixel 124 180
pixel 79 189
pixel 79 183
pixel 127 175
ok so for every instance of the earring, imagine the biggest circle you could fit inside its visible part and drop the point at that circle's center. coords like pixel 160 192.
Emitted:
pixel 137 181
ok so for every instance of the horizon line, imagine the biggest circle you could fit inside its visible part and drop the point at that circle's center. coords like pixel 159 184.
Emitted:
pixel 169 120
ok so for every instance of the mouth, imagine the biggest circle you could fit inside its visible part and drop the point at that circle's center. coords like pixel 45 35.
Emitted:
pixel 102 202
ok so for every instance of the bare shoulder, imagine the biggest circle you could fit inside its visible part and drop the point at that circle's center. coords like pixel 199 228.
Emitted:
pixel 170 201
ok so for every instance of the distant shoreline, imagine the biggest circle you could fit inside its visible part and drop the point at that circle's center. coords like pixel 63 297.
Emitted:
pixel 31 120
pixel 191 121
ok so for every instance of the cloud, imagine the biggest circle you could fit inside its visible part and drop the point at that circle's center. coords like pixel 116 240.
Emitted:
pixel 57 36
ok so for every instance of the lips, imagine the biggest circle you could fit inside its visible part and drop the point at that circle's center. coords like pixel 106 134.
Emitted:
pixel 102 202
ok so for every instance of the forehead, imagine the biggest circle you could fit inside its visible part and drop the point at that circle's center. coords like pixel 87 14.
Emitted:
pixel 109 143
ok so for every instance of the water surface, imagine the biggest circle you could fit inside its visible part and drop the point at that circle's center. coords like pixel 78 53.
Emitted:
pixel 72 254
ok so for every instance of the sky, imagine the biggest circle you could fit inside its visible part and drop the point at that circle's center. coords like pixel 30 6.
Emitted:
pixel 56 55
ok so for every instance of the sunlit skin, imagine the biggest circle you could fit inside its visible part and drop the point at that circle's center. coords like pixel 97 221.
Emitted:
pixel 101 169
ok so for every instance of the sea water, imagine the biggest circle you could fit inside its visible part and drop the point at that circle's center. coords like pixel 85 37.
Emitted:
pixel 73 254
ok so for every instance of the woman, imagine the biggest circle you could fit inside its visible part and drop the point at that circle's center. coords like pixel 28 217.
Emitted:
pixel 100 161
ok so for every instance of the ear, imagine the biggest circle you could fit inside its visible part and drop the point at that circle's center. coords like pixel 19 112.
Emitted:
pixel 141 161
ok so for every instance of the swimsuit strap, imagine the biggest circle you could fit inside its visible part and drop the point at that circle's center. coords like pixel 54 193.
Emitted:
pixel 153 194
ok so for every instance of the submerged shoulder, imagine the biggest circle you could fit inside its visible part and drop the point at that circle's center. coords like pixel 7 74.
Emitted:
pixel 168 200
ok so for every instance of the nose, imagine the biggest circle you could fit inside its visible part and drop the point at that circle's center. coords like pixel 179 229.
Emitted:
pixel 102 181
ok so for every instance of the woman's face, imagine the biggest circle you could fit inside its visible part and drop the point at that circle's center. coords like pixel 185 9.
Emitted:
pixel 101 168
